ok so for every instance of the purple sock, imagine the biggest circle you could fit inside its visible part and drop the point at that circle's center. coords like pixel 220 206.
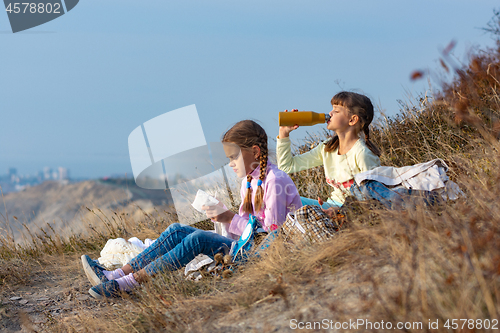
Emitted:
pixel 127 282
pixel 113 275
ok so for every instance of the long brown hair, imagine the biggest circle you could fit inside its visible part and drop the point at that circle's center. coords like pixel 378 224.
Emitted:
pixel 358 105
pixel 246 134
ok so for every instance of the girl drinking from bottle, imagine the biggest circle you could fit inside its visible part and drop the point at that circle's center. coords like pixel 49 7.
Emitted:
pixel 267 193
pixel 343 156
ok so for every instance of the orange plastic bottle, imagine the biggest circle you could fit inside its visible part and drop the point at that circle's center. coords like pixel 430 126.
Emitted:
pixel 302 118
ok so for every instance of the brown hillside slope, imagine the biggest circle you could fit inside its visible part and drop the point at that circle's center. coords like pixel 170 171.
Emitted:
pixel 58 204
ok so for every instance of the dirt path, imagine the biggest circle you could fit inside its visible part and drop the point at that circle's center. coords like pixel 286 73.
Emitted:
pixel 56 293
pixel 56 299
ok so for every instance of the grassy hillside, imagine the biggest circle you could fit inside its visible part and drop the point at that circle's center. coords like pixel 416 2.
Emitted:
pixel 63 206
pixel 418 266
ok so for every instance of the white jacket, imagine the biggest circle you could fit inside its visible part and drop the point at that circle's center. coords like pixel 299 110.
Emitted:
pixel 428 176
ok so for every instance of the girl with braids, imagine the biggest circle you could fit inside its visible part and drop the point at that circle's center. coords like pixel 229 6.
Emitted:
pixel 267 192
pixel 343 156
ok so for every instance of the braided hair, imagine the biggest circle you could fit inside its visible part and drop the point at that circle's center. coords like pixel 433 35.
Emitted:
pixel 246 134
pixel 358 105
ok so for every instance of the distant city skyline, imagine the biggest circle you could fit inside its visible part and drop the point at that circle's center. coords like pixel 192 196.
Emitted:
pixel 14 182
pixel 46 173
pixel 73 89
pixel 62 173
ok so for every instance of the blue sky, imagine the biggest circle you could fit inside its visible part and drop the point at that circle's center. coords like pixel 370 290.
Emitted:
pixel 73 89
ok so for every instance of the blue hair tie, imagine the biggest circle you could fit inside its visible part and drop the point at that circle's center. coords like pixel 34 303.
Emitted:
pixel 259 182
pixel 248 185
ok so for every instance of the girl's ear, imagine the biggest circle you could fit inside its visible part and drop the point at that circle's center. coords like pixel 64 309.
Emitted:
pixel 256 151
pixel 354 120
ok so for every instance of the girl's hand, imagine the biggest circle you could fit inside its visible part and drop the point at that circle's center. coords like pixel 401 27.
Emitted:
pixel 218 213
pixel 331 212
pixel 285 130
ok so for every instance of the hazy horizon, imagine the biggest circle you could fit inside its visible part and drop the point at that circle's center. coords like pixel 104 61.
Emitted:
pixel 73 89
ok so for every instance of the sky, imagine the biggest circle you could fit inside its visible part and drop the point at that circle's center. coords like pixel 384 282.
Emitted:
pixel 72 90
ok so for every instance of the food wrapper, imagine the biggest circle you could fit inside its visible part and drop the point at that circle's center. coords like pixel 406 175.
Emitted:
pixel 203 199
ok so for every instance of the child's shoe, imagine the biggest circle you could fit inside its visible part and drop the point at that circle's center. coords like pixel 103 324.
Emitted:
pixel 93 271
pixel 106 289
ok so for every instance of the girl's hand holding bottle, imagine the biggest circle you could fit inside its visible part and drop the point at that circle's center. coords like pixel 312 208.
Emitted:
pixel 284 131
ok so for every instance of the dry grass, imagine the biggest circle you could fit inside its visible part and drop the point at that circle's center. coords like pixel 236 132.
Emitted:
pixel 414 266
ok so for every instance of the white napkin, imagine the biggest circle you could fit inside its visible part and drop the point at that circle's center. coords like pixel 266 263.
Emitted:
pixel 203 199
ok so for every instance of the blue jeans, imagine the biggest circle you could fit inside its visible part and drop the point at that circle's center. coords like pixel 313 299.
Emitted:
pixel 329 203
pixel 397 198
pixel 177 246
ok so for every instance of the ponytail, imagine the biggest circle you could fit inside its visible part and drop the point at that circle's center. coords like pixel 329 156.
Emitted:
pixel 247 203
pixel 332 144
pixel 259 195
pixel 369 143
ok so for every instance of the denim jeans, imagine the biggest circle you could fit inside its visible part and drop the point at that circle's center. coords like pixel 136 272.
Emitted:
pixel 329 203
pixel 177 246
pixel 393 198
